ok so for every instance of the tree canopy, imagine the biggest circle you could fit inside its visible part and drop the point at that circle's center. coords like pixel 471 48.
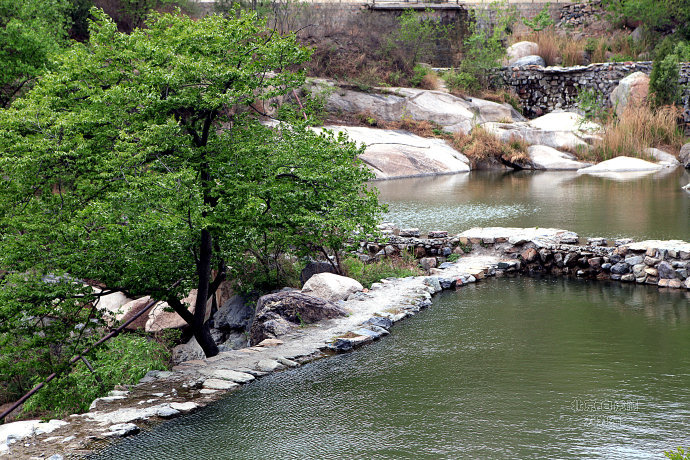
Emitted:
pixel 136 165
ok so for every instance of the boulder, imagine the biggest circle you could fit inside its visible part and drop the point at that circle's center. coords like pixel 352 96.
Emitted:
pixel 521 49
pixel 621 164
pixel 535 136
pixel 565 121
pixel 662 158
pixel 234 314
pixel 684 156
pixel 632 89
pixel 187 352
pixel 453 113
pixel 114 304
pixel 331 287
pixel 393 153
pixel 314 267
pixel 529 60
pixel 163 317
pixel 545 157
pixel 289 308
pixel 132 308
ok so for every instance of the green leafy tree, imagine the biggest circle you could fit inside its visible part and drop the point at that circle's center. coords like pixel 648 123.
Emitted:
pixel 30 31
pixel 135 164
pixel 654 15
pixel 541 21
pixel 663 81
pixel 418 34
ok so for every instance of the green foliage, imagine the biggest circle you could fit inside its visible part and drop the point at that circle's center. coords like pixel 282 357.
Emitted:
pixel 453 258
pixel 312 109
pixel 461 81
pixel 417 34
pixel 678 454
pixel 541 21
pixel 653 14
pixel 663 82
pixel 593 105
pixel 373 272
pixel 123 360
pixel 135 163
pixel 418 74
pixel 483 48
pixel 30 32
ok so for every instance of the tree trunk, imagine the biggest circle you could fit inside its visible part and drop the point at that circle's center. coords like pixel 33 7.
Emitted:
pixel 200 328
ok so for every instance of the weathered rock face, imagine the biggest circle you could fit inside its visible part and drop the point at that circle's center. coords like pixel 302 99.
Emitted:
pixel 234 314
pixel 684 156
pixel 632 89
pixel 331 287
pixel 393 154
pixel 453 113
pixel 520 50
pixel 544 157
pixel 278 313
pixel 187 352
pixel 662 158
pixel 529 60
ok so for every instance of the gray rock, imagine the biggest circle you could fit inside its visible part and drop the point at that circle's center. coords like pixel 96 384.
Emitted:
pixel 606 266
pixel 314 267
pixel 445 265
pixel 433 283
pixel 187 352
pixel 55 457
pixel 121 430
pixel 410 232
pixel 167 412
pixel 331 287
pixel 634 260
pixel 447 283
pixel 665 270
pixel 638 270
pixel 428 263
pixel 621 268
pixel 529 60
pixel 380 321
pixel 684 156
pixel 234 314
pixel 293 307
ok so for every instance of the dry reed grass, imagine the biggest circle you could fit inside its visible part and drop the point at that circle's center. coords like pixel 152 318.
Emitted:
pixel 480 145
pixel 638 128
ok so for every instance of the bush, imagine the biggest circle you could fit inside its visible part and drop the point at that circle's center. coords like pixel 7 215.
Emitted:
pixel 678 454
pixel 663 82
pixel 481 145
pixel 123 360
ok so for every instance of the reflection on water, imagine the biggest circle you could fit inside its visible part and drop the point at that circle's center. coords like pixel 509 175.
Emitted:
pixel 511 368
pixel 653 206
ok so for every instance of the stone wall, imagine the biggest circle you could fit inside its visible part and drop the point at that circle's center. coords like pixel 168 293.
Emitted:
pixel 545 89
pixel 661 263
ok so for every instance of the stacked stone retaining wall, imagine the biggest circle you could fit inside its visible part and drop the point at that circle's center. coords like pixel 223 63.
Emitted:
pixel 661 263
pixel 545 89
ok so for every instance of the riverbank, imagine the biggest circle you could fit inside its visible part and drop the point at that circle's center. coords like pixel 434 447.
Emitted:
pixel 490 252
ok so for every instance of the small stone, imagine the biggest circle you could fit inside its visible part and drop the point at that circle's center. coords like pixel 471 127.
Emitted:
pixel 269 365
pixel 207 391
pixel 233 376
pixel 434 283
pixel 634 260
pixel 269 343
pixel 428 263
pixel 287 362
pixel 445 265
pixel 529 255
pixel 380 321
pixel 620 268
pixel 674 284
pixel 666 270
pixel 219 384
pixel 663 282
pixel 121 430
pixel 639 270
pixel 410 232
pixel 651 261
pixel 167 412
pixel 651 271
pixel 595 262
pixel 628 278
pixel 438 234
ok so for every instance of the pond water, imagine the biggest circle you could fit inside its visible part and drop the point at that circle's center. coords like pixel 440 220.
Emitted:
pixel 507 368
pixel 649 207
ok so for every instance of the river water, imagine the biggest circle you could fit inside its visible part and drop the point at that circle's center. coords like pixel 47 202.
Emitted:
pixel 507 368
pixel 653 206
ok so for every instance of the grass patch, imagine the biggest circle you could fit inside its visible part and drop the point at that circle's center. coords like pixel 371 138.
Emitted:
pixel 389 267
pixel 638 128
pixel 480 145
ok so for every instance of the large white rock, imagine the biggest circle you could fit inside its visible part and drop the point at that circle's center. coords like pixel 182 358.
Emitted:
pixel 521 49
pixel 331 287
pixel 393 153
pixel 663 158
pixel 522 235
pixel 684 156
pixel 16 431
pixel 535 136
pixel 451 112
pixel 632 89
pixel 113 303
pixel 621 164
pixel 545 157
pixel 565 121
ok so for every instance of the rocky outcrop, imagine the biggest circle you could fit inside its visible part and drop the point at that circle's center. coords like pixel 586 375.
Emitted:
pixel 662 158
pixel 545 157
pixel 632 89
pixel 521 49
pixel 559 130
pixel 452 113
pixel 331 287
pixel 393 153
pixel 684 156
pixel 279 313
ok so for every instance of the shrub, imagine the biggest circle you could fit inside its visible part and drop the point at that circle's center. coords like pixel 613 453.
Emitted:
pixel 663 82
pixel 123 360
pixel 639 127
pixel 481 145
pixel 678 454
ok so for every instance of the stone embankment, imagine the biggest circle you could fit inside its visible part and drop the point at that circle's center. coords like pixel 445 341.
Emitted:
pixel 364 316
